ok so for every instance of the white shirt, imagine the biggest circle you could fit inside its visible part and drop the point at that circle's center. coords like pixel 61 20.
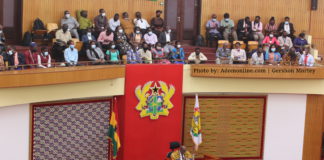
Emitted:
pixel 113 24
pixel 256 59
pixel 310 60
pixel 200 58
pixel 141 23
pixel 287 28
pixel 168 37
pixel 239 54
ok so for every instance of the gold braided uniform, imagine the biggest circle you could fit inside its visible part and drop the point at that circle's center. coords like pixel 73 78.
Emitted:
pixel 176 155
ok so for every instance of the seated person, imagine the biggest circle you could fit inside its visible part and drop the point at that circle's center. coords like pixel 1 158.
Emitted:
pixel 288 27
pixel 84 22
pixel 181 154
pixel 146 54
pixel 100 22
pixel 88 37
pixel 44 59
pixel 15 59
pixel 285 41
pixel 141 22
pixel 157 23
pixel 271 27
pixel 95 54
pixel 168 47
pixel 114 22
pixel 197 57
pixel 105 38
pixel 127 24
pixel 113 55
pixel 212 27
pixel 72 23
pixel 71 54
pixel 238 55
pixel 228 25
pixel 178 54
pixel 244 30
pixel 137 37
pixel 290 58
pixel 173 146
pixel 122 42
pixel 166 36
pixel 258 57
pixel 223 55
pixel 257 29
pixel 300 42
pixel 159 54
pixel 150 37
pixel 133 55
pixel 270 39
pixel 2 36
pixel 307 59
pixel 31 55
pixel 62 37
pixel 272 56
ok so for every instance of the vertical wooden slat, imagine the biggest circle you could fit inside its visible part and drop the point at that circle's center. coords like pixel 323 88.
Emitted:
pixel 313 127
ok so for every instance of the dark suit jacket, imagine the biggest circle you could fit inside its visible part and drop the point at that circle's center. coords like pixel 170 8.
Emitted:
pixel 282 27
pixel 21 59
pixel 162 38
pixel 241 28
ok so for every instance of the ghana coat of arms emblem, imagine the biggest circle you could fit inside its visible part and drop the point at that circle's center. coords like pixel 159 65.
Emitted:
pixel 154 99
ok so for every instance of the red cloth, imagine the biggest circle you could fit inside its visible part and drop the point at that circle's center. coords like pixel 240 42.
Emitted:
pixel 144 138
pixel 44 60
pixel 29 57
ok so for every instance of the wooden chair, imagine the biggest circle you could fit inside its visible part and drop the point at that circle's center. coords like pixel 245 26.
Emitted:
pixel 221 43
pixel 253 45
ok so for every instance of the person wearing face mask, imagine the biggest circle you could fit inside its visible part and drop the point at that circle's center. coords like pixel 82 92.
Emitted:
pixel 31 55
pixel 122 42
pixel 15 59
pixel 127 24
pixel 228 25
pixel 44 59
pixel 100 22
pixel 71 54
pixel 62 37
pixel 2 36
pixel 112 54
pixel 133 55
pixel 150 37
pixel 159 55
pixel 141 22
pixel 288 27
pixel 271 27
pixel 257 29
pixel 157 23
pixel 300 42
pixel 258 56
pixel 95 54
pixel 223 54
pixel 114 22
pixel 84 22
pixel 307 59
pixel 270 39
pixel 272 56
pixel 166 36
pixel 244 30
pixel 290 58
pixel 146 54
pixel 105 38
pixel 238 55
pixel 87 37
pixel 212 27
pixel 197 57
pixel 137 37
pixel 72 23
pixel 178 54
pixel 285 41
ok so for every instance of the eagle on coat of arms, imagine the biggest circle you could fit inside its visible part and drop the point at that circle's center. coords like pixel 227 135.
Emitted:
pixel 154 99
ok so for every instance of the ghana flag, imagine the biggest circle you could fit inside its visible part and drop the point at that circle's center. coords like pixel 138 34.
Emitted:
pixel 113 132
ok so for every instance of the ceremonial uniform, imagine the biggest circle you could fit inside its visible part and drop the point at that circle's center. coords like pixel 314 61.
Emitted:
pixel 177 155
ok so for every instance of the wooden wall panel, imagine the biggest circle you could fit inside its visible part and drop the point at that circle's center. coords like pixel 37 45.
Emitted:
pixel 51 11
pixel 319 44
pixel 317 21
pixel 313 127
pixel 299 11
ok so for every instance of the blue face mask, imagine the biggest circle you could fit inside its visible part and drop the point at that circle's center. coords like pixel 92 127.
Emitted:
pixel 45 53
pixel 10 53
pixel 72 46
pixel 273 49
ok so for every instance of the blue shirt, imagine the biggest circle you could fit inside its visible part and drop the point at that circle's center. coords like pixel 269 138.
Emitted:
pixel 178 54
pixel 276 58
pixel 133 57
pixel 71 55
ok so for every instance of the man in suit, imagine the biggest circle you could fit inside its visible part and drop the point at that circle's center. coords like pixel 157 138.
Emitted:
pixel 244 29
pixel 288 27
pixel 15 59
pixel 166 36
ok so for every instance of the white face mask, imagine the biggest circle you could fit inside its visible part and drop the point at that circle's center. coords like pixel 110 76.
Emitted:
pixel 89 34
pixel 113 47
pixel 179 46
pixel 286 22
pixel 271 35
pixel 10 53
pixel 120 31
pixel 1 31
pixel 103 14
pixel 159 48
pixel 67 15
pixel 150 33
pixel 45 53
pixel 93 46
pixel 138 32
pixel 214 19
pixel 273 49
pixel 226 19
pixel 169 30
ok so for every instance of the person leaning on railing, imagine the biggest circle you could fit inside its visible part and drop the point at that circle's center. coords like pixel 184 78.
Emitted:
pixel 197 57
pixel 95 54
pixel 223 55
pixel 272 56
pixel 238 55
pixel 258 56
pixel 44 59
pixel 307 59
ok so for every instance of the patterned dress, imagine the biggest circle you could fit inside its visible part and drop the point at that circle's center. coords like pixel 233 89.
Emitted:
pixel 122 43
pixel 159 56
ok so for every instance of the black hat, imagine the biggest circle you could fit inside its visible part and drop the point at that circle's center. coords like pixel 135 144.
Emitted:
pixel 174 145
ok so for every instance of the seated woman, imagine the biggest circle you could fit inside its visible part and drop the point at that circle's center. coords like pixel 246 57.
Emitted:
pixel 272 56
pixel 44 59
pixel 95 54
pixel 146 54
pixel 271 27
pixel 178 54
pixel 257 56
pixel 290 58
pixel 113 55
pixel 270 39
pixel 136 37
pixel 300 42
pixel 158 54
pixel 105 38
pixel 122 43
pixel 133 55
